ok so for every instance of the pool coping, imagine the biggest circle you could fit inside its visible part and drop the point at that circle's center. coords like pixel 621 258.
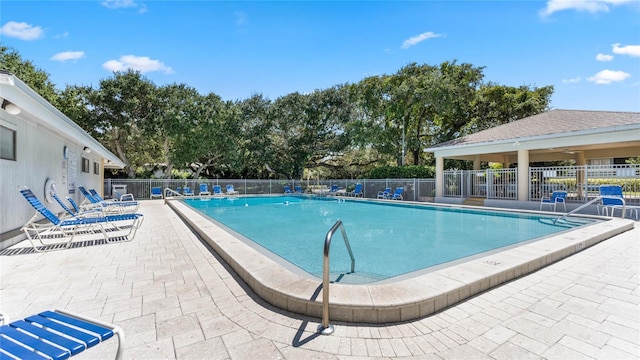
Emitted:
pixel 404 300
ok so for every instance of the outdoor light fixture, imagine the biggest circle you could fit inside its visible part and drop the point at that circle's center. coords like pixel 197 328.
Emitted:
pixel 10 107
pixel 87 150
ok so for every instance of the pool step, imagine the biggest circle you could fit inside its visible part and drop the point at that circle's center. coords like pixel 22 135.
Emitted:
pixel 474 201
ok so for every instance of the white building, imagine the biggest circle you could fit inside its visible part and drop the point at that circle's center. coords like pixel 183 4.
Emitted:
pixel 40 146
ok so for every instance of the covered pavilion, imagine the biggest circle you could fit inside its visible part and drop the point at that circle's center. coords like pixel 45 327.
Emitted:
pixel 587 137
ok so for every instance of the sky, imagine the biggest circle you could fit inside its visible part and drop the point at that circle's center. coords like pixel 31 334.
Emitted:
pixel 588 50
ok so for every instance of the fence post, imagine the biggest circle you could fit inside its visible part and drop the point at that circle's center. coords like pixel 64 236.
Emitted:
pixel 586 182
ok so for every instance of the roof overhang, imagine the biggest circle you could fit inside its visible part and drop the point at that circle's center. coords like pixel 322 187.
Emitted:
pixel 592 139
pixel 36 110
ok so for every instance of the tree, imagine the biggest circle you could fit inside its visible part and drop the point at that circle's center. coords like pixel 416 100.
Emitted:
pixel 120 111
pixel 25 70
pixel 418 106
pixel 202 136
pixel 496 105
pixel 255 143
pixel 309 129
pixel 371 131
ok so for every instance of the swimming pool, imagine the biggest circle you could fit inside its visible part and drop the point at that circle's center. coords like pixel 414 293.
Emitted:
pixel 400 298
pixel 387 239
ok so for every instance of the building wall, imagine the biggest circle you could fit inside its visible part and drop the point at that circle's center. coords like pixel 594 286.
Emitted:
pixel 39 157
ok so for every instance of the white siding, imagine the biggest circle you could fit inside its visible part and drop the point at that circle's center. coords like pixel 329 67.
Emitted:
pixel 39 156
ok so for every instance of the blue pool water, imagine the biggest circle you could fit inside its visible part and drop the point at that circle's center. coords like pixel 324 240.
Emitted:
pixel 387 239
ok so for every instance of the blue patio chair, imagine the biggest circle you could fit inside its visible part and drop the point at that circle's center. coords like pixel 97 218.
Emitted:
pixel 557 197
pixel 156 192
pixel 57 334
pixel 217 190
pixel 204 190
pixel 384 194
pixel 186 191
pixel 61 232
pixel 287 189
pixel 298 189
pixel 358 191
pixel 231 190
pixel 397 195
pixel 611 197
pixel 334 190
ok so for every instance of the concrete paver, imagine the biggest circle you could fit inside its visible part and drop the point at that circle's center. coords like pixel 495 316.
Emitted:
pixel 175 299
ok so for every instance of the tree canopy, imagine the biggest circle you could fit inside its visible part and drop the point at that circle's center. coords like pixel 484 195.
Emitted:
pixel 346 130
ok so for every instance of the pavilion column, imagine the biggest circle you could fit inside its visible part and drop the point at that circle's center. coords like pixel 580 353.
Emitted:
pixel 439 175
pixel 476 162
pixel 523 175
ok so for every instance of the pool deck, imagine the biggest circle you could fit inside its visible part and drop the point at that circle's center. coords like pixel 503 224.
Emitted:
pixel 175 299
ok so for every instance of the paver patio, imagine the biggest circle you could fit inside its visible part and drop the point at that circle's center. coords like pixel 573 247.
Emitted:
pixel 175 299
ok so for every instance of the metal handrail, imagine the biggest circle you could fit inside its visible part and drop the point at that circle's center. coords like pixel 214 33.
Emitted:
pixel 584 206
pixel 326 328
pixel 171 191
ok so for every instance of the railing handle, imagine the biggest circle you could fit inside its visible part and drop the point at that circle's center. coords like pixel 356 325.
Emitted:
pixel 325 328
pixel 580 208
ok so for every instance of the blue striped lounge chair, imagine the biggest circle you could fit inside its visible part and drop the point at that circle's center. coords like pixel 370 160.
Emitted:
pixel 93 200
pixel 68 212
pixel 59 233
pixel 57 334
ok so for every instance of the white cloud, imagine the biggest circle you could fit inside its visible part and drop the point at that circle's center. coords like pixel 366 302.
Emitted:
pixel 604 57
pixel 21 30
pixel 418 39
pixel 118 4
pixel 122 4
pixel 632 50
pixel 592 6
pixel 572 81
pixel 68 55
pixel 138 63
pixel 605 77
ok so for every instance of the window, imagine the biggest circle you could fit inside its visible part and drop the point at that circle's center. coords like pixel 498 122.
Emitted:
pixel 7 144
pixel 85 165
pixel 96 168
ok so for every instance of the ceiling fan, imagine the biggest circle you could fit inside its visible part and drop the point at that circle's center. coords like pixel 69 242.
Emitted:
pixel 567 151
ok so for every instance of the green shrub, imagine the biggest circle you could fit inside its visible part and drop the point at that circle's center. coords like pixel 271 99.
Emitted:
pixel 402 172
pixel 627 184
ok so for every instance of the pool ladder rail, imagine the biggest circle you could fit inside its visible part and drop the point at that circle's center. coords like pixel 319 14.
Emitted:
pixel 325 328
pixel 589 203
